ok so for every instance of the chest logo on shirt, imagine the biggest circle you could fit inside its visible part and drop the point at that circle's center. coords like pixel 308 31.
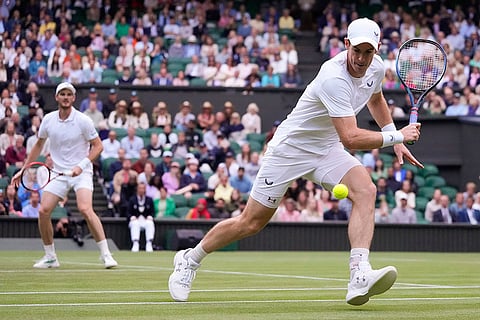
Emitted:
pixel 370 84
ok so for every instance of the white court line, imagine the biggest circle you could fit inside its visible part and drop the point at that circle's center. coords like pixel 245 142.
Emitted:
pixel 13 293
pixel 228 302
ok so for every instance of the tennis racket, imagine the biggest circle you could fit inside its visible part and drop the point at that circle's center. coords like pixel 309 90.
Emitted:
pixel 36 175
pixel 421 64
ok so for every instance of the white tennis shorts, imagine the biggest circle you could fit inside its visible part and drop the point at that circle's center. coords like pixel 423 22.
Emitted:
pixel 283 164
pixel 61 185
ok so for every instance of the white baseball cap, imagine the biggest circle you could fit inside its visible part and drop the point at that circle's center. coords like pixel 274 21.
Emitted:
pixel 65 85
pixel 364 30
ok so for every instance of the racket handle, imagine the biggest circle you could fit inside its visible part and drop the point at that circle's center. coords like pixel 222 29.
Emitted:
pixel 68 173
pixel 413 119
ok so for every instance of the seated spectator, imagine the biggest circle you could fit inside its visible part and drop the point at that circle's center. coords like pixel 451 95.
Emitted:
pixel 171 178
pixel 31 210
pixel 183 117
pixel 219 210
pixel 335 213
pixel 193 136
pixel 154 148
pixel 244 156
pixel 92 72
pixel 403 213
pixel 433 205
pixel 457 108
pixel 287 211
pixel 240 182
pixel 270 79
pixel 132 144
pixel 457 205
pixel 311 212
pixel 227 70
pixel 443 214
pixel 33 98
pixel 124 181
pixel 192 181
pixel 191 48
pixel 140 215
pixel 110 103
pixel 382 212
pixel 176 49
pixel 12 204
pixel 208 50
pixel 235 81
pixel 92 96
pixel 168 138
pixel 291 79
pixel 74 75
pixel 118 118
pixel 468 215
pixel 142 161
pixel 200 211
pixel 142 78
pixel 16 154
pixel 395 110
pixel 211 73
pixel 206 117
pixel 94 114
pixel 195 69
pixel 123 61
pixel 214 179
pixel 171 30
pixel 384 193
pixel 235 129
pixel 164 205
pixel 36 63
pixel 106 61
pixel 138 117
pixel 180 80
pixel 224 189
pixel 160 115
pixel 163 78
pixel 405 190
pixel 127 77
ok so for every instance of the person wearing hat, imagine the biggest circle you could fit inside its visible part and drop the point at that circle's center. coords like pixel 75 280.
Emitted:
pixel 138 117
pixel 110 103
pixel 160 115
pixel 92 96
pixel 402 213
pixel 205 118
pixel 313 142
pixel 74 145
pixel 191 48
pixel 183 117
pixel 192 180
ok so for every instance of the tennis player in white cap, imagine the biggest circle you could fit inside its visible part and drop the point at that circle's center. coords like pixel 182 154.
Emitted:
pixel 74 144
pixel 311 143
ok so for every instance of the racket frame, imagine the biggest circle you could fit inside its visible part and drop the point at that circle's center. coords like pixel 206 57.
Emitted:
pixel 50 172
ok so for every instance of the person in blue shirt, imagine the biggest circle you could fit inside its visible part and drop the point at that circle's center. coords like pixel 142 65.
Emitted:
pixel 31 209
pixel 241 182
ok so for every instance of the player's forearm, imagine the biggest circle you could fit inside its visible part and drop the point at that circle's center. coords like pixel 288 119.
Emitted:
pixel 35 152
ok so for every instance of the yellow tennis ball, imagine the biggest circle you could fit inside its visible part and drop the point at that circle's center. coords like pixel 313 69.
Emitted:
pixel 340 191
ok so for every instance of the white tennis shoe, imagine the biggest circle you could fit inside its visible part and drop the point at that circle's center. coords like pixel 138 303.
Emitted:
pixel 108 261
pixel 47 262
pixel 367 282
pixel 180 281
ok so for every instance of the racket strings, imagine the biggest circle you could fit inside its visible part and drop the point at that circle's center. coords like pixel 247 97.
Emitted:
pixel 35 177
pixel 421 65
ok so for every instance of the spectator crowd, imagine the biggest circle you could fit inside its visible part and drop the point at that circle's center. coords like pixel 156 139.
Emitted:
pixel 203 165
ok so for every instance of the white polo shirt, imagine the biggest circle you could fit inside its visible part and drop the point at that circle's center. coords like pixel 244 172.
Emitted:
pixel 69 139
pixel 333 93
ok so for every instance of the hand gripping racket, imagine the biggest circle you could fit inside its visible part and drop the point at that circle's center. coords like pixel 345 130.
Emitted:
pixel 421 64
pixel 36 175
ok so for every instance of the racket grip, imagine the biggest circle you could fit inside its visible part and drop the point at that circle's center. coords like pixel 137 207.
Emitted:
pixel 413 119
pixel 68 173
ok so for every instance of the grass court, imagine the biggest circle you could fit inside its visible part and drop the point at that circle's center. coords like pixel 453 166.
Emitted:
pixel 236 285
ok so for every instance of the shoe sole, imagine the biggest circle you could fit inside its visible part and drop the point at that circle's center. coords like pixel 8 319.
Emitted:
pixel 384 282
pixel 47 267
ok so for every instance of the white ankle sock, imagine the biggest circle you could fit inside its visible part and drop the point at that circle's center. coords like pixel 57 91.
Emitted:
pixel 196 254
pixel 103 246
pixel 357 255
pixel 50 250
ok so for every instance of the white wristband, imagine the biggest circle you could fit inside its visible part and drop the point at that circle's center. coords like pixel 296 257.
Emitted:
pixel 391 137
pixel 84 163
pixel 389 127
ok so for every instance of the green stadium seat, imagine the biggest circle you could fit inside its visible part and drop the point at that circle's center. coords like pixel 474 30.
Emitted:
pixel 235 147
pixel 435 181
pixel 181 212
pixel 191 202
pixel 109 80
pixel 156 130
pixel 110 73
pixel 11 170
pixel 198 82
pixel 121 133
pixel 451 192
pixel 255 146
pixel 429 170
pixel 4 182
pixel 426 192
pixel 259 137
pixel 419 180
pixel 180 200
pixel 106 168
pixel 411 167
pixel 421 203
